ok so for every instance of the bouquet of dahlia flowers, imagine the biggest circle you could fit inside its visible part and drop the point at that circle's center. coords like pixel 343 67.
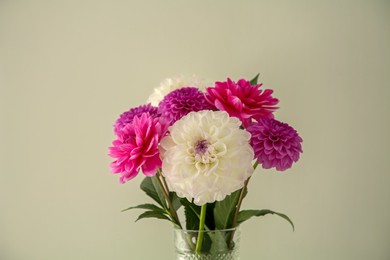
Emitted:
pixel 198 145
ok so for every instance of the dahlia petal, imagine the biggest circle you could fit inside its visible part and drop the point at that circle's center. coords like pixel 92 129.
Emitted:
pixel 266 164
pixel 135 153
pixel 243 83
pixel 277 145
pixel 139 140
pixel 272 155
pixel 268 145
pixel 236 103
pixel 151 166
pixel 130 166
pixel 150 151
pixel 126 177
pixel 114 167
pixel 218 104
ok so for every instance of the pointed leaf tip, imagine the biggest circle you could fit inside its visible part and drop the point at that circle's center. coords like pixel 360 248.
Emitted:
pixel 150 186
pixel 254 80
pixel 247 214
pixel 153 214
pixel 144 206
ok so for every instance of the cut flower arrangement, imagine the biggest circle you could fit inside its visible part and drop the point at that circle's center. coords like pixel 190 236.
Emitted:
pixel 198 145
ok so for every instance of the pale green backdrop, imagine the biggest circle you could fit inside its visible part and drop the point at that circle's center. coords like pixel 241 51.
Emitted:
pixel 69 68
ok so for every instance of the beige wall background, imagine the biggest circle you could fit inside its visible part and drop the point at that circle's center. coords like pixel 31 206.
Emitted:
pixel 69 68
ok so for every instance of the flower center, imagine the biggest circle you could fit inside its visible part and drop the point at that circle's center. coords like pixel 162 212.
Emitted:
pixel 206 157
pixel 201 147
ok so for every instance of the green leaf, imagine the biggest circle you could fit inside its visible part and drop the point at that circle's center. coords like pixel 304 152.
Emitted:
pixel 254 80
pixel 153 214
pixel 160 193
pixel 146 206
pixel 175 200
pixel 192 213
pixel 210 221
pixel 148 187
pixel 224 210
pixel 247 214
pixel 151 187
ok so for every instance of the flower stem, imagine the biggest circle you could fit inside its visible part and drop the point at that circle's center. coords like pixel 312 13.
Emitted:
pixel 165 191
pixel 201 228
pixel 237 211
pixel 241 198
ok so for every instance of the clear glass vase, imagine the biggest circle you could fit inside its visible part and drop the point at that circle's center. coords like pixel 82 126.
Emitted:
pixel 216 244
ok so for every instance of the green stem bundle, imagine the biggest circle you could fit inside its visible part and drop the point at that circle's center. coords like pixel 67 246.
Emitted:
pixel 242 194
pixel 165 191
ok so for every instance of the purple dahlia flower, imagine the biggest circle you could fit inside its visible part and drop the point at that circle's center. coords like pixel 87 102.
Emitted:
pixel 182 101
pixel 276 144
pixel 128 116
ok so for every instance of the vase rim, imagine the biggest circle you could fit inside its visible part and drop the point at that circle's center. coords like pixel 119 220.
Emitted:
pixel 206 230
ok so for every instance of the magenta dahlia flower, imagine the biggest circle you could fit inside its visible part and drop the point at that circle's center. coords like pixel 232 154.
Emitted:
pixel 182 101
pixel 136 147
pixel 128 116
pixel 242 100
pixel 275 144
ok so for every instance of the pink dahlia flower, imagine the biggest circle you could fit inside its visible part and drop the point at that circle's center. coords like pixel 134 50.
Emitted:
pixel 276 144
pixel 242 100
pixel 136 148
pixel 128 116
pixel 182 101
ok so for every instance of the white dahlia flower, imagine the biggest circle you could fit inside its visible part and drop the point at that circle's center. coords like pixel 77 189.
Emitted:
pixel 170 84
pixel 207 156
